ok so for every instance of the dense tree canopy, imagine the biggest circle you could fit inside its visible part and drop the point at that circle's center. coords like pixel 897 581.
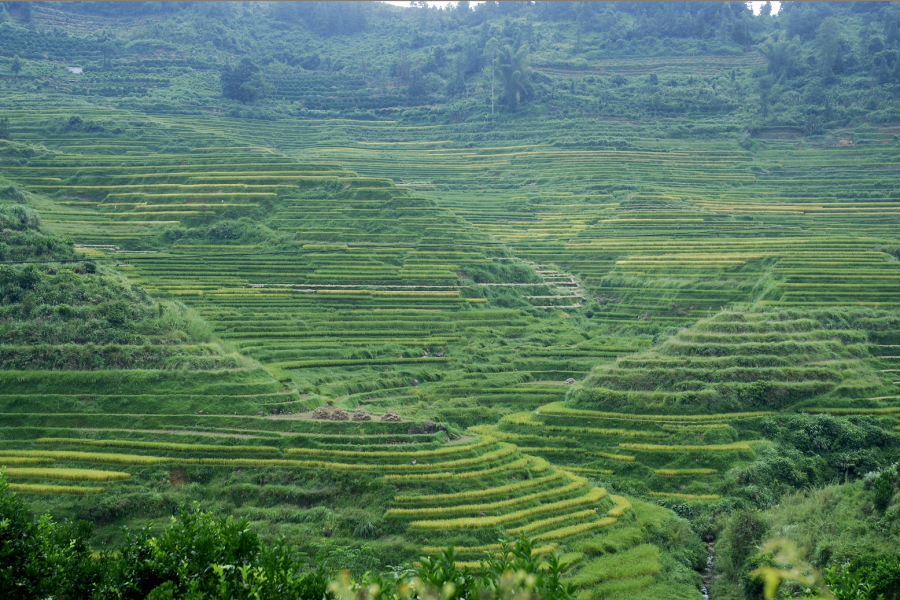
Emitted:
pixel 245 82
pixel 343 57
pixel 512 69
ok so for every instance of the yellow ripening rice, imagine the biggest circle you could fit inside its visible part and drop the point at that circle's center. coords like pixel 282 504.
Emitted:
pixel 682 472
pixel 6 461
pixel 685 496
pixel 581 514
pixel 594 495
pixel 35 488
pixel 574 485
pixel 622 506
pixel 67 474
pixel 734 446
pixel 158 445
pixel 504 489
pixel 575 529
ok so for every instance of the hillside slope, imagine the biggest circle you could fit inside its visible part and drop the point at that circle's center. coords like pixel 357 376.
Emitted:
pixel 664 280
pixel 120 446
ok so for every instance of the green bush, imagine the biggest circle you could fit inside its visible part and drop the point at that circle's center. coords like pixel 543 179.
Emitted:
pixel 738 542
pixel 884 485
pixel 40 558
pixel 203 556
pixel 881 573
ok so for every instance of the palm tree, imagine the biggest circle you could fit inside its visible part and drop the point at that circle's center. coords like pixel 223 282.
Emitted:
pixel 490 52
pixel 512 69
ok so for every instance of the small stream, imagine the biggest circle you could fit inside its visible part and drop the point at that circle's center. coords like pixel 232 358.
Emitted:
pixel 707 572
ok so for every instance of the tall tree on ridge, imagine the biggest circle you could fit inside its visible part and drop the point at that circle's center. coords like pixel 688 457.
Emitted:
pixel 490 52
pixel 828 38
pixel 512 67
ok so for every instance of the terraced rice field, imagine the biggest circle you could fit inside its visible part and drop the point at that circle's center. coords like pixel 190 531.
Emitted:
pixel 671 462
pixel 687 289
pixel 369 281
pixel 663 230
pixel 675 417
pixel 721 220
pixel 465 493
pixel 368 299
pixel 765 361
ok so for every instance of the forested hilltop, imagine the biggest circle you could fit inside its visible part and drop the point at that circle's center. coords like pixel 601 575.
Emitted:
pixel 617 280
pixel 812 66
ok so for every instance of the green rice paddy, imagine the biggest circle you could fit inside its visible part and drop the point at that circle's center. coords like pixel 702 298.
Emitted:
pixel 612 321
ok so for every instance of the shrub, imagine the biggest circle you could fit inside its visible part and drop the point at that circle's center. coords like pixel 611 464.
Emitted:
pixel 742 534
pixel 881 573
pixel 364 529
pixel 885 485
pixel 200 555
pixel 41 558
